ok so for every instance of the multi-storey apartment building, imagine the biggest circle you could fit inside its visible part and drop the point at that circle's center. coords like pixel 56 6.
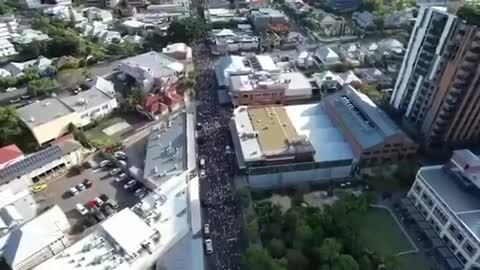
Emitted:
pixel 437 89
pixel 8 26
pixel 446 196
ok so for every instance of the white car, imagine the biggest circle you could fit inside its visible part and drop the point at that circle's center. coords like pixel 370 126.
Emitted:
pixel 98 201
pixel 115 171
pixel 119 154
pixel 203 174
pixel 140 193
pixel 105 163
pixel 209 246
pixel 81 187
pixel 81 209
pixel 73 191
pixel 206 229
pixel 202 163
pixel 130 184
pixel 121 177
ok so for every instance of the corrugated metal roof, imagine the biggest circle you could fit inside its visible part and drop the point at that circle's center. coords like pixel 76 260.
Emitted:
pixel 30 163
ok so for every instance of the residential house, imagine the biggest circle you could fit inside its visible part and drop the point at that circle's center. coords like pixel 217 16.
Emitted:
pixel 97 14
pixel 330 24
pixel 329 82
pixel 28 36
pixel 326 56
pixel 42 64
pixel 64 13
pixel 399 18
pixel 352 54
pixel 6 48
pixel 8 26
pixel 305 60
pixel 95 103
pixel 41 165
pixel 152 69
pixel 374 76
pixel 178 51
pixel 153 107
pixel 10 154
pixel 134 39
pixel 363 19
pixel 222 17
pixel 343 5
pixel 298 7
pixel 226 41
pixel 263 18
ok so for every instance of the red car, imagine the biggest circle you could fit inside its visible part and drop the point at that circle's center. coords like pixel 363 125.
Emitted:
pixel 87 183
pixel 91 204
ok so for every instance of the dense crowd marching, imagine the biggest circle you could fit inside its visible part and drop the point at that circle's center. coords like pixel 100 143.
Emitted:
pixel 219 208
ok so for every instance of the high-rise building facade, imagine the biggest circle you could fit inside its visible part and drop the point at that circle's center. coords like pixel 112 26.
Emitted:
pixel 438 87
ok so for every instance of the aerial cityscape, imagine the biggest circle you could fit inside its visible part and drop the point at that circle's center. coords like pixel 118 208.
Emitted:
pixel 240 134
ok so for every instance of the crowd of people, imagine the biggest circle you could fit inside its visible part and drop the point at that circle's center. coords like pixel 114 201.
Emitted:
pixel 219 208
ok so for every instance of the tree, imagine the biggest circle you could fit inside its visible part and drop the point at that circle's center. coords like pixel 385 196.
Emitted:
pixel 34 49
pixel 345 262
pixel 41 86
pixel 31 73
pixel 303 235
pixel 9 125
pixel 252 230
pixel 296 260
pixel 365 263
pixel 242 197
pixel 8 81
pixel 134 97
pixel 258 259
pixel 391 262
pixel 186 30
pixel 330 250
pixel 276 247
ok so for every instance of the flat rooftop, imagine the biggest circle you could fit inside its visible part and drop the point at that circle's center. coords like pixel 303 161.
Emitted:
pixel 159 64
pixel 463 202
pixel 309 121
pixel 162 211
pixel 273 127
pixel 165 150
pixel 91 98
pixel 43 111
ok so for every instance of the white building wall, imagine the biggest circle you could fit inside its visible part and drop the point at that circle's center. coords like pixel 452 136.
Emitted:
pixel 104 109
pixel 318 176
pixel 442 229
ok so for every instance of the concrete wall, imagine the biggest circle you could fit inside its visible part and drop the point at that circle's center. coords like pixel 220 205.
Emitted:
pixel 277 180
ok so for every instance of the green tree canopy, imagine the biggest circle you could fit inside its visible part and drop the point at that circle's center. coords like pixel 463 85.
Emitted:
pixel 276 247
pixel 9 125
pixel 330 250
pixel 258 258
pixel 41 87
pixel 345 262
pixel 186 30
pixel 296 260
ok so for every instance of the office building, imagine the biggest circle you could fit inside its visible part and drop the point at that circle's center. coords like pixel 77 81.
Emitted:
pixel 287 146
pixel 227 41
pixel 375 139
pixel 444 202
pixel 263 18
pixel 437 89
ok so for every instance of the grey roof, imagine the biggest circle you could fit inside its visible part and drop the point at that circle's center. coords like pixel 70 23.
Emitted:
pixel 160 160
pixel 462 201
pixel 44 111
pixel 91 98
pixel 160 64
pixel 34 161
pixel 369 125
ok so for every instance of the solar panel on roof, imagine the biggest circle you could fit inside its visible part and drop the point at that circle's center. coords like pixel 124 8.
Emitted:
pixel 30 163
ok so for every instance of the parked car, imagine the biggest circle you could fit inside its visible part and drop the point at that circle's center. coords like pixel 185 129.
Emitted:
pixel 99 202
pixel 115 171
pixel 130 184
pixel 73 191
pixel 104 197
pixel 87 183
pixel 121 177
pixel 80 187
pixel 209 246
pixel 202 163
pixel 39 187
pixel 99 215
pixel 81 209
pixel 120 155
pixel 203 174
pixel 140 193
pixel 206 229
pixel 15 100
pixel 105 163
pixel 25 97
pixel 108 210
pixel 122 163
pixel 113 203
pixel 91 204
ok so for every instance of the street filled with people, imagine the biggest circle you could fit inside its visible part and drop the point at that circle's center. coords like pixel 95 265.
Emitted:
pixel 216 164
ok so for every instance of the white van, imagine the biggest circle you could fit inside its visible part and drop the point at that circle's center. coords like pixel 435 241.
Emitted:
pixel 209 246
pixel 202 163
pixel 206 229
pixel 81 209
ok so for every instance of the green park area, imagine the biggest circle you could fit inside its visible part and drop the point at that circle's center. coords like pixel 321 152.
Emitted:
pixel 380 232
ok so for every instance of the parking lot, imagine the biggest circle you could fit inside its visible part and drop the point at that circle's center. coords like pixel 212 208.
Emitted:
pixel 58 192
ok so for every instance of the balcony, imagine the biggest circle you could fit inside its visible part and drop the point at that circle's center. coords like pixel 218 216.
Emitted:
pixel 451 100
pixel 471 57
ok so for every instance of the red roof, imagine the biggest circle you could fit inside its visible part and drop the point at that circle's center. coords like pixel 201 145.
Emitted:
pixel 154 105
pixel 9 152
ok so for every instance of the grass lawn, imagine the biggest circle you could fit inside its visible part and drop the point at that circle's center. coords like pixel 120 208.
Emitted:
pixel 381 233
pixel 97 133
pixel 70 78
pixel 413 261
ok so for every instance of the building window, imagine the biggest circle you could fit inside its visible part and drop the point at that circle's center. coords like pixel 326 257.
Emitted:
pixel 105 107
pixel 388 145
pixel 461 258
pixel 469 249
pixel 366 153
pixel 417 188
